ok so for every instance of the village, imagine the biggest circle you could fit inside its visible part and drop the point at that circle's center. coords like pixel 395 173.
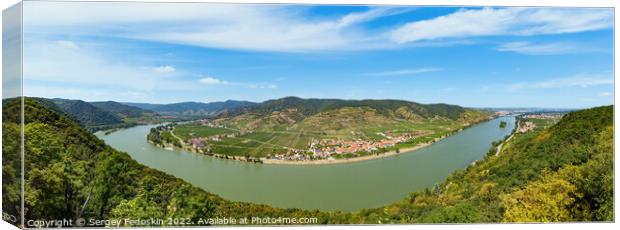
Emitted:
pixel 328 149
pixel 317 149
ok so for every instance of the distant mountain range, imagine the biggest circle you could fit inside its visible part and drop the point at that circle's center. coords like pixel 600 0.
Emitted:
pixel 192 108
pixel 110 114
pixel 345 117
pixel 122 110
pixel 388 108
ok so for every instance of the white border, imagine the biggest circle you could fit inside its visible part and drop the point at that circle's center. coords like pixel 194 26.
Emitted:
pixel 590 3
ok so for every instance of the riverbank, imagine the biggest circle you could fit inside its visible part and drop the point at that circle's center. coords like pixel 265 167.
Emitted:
pixel 264 160
pixel 350 160
pixel 373 156
pixel 328 161
pixel 323 187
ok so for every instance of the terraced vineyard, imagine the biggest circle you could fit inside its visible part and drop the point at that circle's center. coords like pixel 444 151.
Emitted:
pixel 295 127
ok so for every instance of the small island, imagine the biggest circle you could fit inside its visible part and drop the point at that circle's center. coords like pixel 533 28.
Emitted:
pixel 502 124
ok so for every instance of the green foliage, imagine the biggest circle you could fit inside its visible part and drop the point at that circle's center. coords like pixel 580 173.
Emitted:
pixel 11 168
pixel 547 200
pixel 187 131
pixel 122 110
pixel 86 113
pixel 197 108
pixel 562 173
pixel 72 174
pixel 161 136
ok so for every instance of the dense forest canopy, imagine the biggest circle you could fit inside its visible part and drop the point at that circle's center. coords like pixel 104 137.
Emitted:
pixel 121 110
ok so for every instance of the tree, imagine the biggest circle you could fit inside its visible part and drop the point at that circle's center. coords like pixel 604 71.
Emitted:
pixel 549 200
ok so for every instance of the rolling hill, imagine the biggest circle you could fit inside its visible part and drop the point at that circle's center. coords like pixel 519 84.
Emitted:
pixel 327 115
pixel 193 108
pixel 291 125
pixel 308 107
pixel 122 110
pixel 102 115
pixel 87 114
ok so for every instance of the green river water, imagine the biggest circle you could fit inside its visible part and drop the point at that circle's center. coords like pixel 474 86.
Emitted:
pixel 345 187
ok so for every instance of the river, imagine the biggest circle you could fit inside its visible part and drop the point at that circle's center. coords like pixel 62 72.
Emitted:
pixel 345 187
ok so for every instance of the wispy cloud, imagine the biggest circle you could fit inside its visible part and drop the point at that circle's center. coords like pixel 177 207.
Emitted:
pixel 401 72
pixel 551 48
pixel 536 49
pixel 576 81
pixel 164 69
pixel 260 85
pixel 505 21
pixel 283 28
pixel 211 81
pixel 604 94
pixel 67 44
pixel 72 69
pixel 229 26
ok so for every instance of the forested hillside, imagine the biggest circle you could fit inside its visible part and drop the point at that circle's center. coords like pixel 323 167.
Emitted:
pixel 122 110
pixel 87 114
pixel 72 174
pixel 562 173
pixel 308 107
pixel 195 108
pixel 103 115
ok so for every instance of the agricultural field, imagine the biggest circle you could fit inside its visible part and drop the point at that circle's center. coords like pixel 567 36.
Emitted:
pixel 187 131
pixel 542 121
pixel 297 129
pixel 282 139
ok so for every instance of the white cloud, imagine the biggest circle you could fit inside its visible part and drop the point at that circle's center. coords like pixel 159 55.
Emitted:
pixel 401 72
pixel 604 94
pixel 260 86
pixel 59 63
pixel 67 44
pixel 576 81
pixel 505 21
pixel 538 49
pixel 272 30
pixel 291 29
pixel 164 69
pixel 212 81
pixel 230 26
pixel 355 18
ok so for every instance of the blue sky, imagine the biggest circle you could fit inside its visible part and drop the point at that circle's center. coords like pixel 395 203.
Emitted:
pixel 164 53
